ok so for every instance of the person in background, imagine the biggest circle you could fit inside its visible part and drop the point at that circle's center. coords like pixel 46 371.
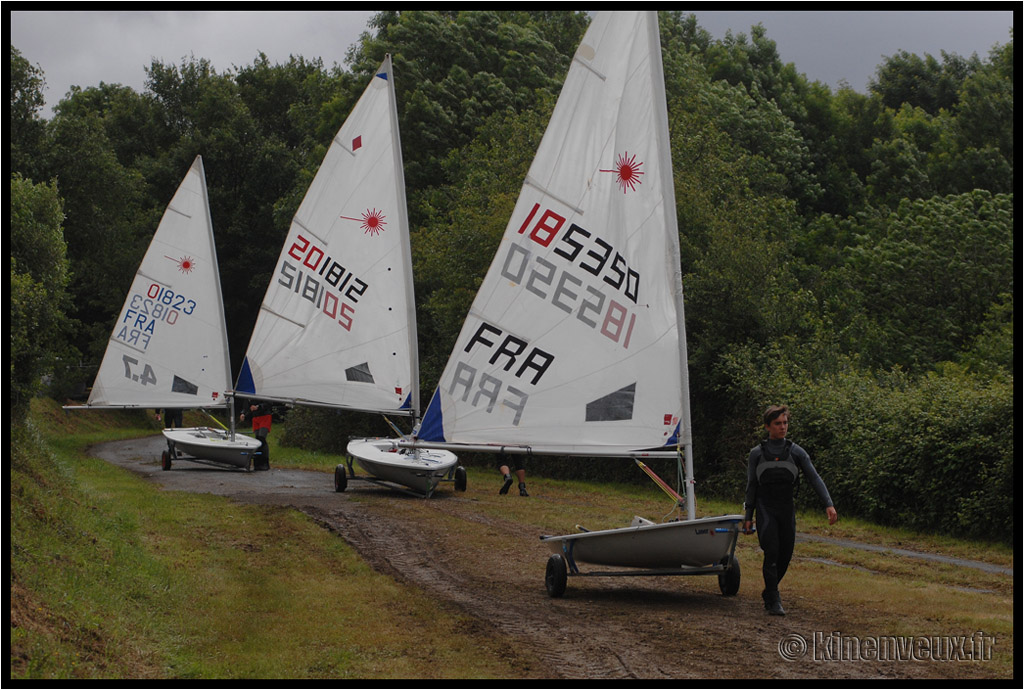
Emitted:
pixel 172 418
pixel 261 416
pixel 773 470
pixel 506 473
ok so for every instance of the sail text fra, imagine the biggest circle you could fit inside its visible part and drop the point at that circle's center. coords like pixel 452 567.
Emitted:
pixel 506 354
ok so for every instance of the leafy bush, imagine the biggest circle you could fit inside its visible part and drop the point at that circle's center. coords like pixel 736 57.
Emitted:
pixel 931 452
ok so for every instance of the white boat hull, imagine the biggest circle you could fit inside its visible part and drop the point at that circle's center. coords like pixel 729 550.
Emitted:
pixel 215 445
pixel 644 544
pixel 418 469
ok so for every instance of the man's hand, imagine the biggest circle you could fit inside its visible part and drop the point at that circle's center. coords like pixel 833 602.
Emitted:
pixel 832 515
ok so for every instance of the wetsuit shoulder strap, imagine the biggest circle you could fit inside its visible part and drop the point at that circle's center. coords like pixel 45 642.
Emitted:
pixel 770 460
pixel 787 447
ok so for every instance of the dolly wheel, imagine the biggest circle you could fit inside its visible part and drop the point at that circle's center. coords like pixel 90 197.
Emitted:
pixel 340 479
pixel 165 461
pixel 556 576
pixel 729 581
pixel 460 478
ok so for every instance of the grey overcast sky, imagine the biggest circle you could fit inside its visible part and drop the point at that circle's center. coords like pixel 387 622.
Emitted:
pixel 84 48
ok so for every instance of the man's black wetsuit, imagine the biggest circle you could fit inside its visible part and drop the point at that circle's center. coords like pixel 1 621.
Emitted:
pixel 771 481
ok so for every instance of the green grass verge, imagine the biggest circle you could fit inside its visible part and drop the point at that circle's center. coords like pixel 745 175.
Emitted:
pixel 113 578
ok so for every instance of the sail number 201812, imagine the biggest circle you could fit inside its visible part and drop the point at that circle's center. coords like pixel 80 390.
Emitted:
pixel 316 278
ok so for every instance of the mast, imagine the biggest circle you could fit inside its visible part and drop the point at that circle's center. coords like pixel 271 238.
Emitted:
pixel 229 406
pixel 406 244
pixel 672 232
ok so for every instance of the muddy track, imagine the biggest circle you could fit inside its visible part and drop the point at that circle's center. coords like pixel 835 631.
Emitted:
pixel 603 628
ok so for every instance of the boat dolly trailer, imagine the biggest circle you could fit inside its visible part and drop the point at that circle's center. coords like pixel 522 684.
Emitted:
pixel 418 483
pixel 696 546
pixel 231 456
pixel 563 565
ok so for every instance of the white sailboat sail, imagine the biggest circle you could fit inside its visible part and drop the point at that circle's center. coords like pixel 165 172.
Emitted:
pixel 337 326
pixel 575 343
pixel 169 348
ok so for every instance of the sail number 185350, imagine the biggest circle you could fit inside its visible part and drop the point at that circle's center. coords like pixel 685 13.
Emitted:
pixel 563 286
pixel 582 248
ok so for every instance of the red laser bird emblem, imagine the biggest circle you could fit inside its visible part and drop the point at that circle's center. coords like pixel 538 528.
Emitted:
pixel 628 171
pixel 185 264
pixel 372 221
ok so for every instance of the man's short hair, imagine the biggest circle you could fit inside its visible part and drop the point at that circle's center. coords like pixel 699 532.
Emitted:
pixel 773 412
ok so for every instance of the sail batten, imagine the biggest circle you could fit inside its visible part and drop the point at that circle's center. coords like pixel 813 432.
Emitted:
pixel 587 65
pixel 276 315
pixel 298 223
pixel 142 274
pixel 540 188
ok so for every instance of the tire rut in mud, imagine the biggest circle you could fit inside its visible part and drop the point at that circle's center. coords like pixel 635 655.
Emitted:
pixel 415 558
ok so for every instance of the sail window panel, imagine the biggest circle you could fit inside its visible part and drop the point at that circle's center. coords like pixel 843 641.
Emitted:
pixel 359 373
pixel 614 407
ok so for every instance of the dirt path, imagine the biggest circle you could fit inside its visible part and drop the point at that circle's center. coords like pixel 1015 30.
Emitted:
pixel 651 628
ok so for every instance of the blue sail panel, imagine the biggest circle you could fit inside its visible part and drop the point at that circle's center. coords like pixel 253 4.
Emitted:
pixel 674 438
pixel 432 427
pixel 245 382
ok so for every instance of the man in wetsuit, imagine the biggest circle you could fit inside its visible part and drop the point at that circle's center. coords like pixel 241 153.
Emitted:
pixel 773 468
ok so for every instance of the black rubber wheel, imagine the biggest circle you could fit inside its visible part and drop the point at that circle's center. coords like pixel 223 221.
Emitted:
pixel 557 576
pixel 460 478
pixel 729 581
pixel 340 479
pixel 165 461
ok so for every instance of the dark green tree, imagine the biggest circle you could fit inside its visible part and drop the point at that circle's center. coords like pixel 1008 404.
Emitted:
pixel 26 129
pixel 453 69
pixel 129 120
pixel 766 106
pixel 107 225
pixel 982 154
pixel 453 251
pixel 922 82
pixel 929 274
pixel 250 164
pixel 38 284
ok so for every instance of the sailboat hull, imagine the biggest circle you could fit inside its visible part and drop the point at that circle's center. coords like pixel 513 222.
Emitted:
pixel 644 544
pixel 418 469
pixel 214 445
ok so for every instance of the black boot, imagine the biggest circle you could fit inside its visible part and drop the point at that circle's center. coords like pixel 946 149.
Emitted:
pixel 505 487
pixel 773 604
pixel 522 489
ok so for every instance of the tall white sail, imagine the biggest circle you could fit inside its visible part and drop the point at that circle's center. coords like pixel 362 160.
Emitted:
pixel 575 343
pixel 337 325
pixel 169 347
